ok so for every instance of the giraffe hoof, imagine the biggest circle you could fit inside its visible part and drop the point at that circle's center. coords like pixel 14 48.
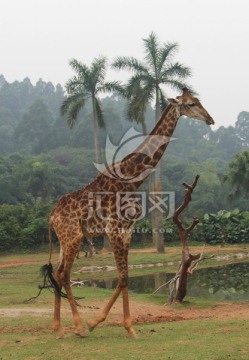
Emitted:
pixel 80 333
pixel 131 334
pixel 60 335
pixel 91 325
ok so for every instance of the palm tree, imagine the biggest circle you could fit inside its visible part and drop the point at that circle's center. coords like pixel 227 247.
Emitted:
pixel 88 84
pixel 147 84
pixel 137 105
pixel 153 73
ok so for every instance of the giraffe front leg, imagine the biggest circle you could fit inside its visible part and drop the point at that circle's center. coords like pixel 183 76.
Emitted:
pixel 125 279
pixel 102 316
pixel 114 240
pixel 120 246
pixel 127 317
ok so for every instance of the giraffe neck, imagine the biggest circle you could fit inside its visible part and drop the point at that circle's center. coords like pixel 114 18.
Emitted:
pixel 135 167
pixel 161 134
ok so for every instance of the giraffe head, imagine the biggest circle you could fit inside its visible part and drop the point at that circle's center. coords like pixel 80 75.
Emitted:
pixel 190 106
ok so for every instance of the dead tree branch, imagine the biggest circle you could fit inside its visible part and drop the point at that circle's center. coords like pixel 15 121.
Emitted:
pixel 189 261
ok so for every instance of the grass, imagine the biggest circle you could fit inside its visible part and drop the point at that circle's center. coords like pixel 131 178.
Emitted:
pixel 188 340
pixel 28 336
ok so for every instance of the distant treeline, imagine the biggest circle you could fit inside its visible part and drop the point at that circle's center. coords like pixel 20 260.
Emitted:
pixel 41 158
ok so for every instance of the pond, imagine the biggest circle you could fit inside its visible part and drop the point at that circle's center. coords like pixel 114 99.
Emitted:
pixel 229 282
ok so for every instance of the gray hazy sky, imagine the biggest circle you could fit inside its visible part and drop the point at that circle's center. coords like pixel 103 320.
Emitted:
pixel 39 37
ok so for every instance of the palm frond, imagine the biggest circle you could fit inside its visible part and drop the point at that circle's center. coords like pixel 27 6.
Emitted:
pixel 72 106
pixel 163 100
pixel 129 63
pixel 111 86
pixel 166 53
pixel 141 82
pixel 152 47
pixel 179 85
pixel 176 70
pixel 75 84
pixel 97 71
pixel 139 98
pixel 80 69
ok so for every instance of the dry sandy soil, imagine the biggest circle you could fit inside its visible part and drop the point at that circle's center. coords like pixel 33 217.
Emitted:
pixel 142 312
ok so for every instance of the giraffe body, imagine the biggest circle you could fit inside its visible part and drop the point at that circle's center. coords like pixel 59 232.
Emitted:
pixel 94 211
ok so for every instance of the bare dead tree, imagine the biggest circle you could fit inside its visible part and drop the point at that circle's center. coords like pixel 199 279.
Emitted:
pixel 187 258
pixel 189 261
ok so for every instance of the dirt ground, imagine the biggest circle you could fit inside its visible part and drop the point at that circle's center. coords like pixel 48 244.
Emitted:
pixel 141 312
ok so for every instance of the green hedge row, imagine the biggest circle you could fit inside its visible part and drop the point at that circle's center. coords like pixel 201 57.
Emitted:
pixel 26 226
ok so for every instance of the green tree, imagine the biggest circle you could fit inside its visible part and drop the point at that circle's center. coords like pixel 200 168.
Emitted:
pixel 238 174
pixel 34 130
pixel 87 84
pixel 241 127
pixel 146 84
pixel 24 178
pixel 228 141
pixel 24 226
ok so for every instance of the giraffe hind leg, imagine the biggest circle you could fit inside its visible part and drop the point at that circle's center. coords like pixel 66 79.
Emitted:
pixel 61 275
pixel 79 329
pixel 57 303
pixel 120 246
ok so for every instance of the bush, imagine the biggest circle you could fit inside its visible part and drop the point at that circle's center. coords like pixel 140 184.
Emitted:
pixel 23 226
pixel 225 226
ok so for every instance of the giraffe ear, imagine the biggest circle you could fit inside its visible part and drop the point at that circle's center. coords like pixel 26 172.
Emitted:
pixel 174 101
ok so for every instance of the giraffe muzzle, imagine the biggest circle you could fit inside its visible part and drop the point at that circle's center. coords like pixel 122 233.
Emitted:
pixel 210 121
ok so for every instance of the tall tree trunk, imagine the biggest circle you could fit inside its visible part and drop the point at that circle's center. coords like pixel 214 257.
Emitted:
pixel 97 147
pixel 157 215
pixel 144 127
pixel 98 156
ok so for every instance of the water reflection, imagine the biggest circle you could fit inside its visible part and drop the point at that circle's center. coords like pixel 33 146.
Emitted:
pixel 230 282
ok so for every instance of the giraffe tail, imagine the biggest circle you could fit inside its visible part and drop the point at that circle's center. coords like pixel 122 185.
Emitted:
pixel 49 281
pixel 46 270
pixel 50 244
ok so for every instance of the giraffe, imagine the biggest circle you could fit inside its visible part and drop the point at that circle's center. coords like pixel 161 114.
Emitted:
pixel 85 213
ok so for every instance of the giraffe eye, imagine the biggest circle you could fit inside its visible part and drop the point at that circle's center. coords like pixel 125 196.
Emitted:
pixel 191 104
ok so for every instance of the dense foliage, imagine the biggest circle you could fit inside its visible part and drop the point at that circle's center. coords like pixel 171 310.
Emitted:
pixel 230 227
pixel 41 159
pixel 23 226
